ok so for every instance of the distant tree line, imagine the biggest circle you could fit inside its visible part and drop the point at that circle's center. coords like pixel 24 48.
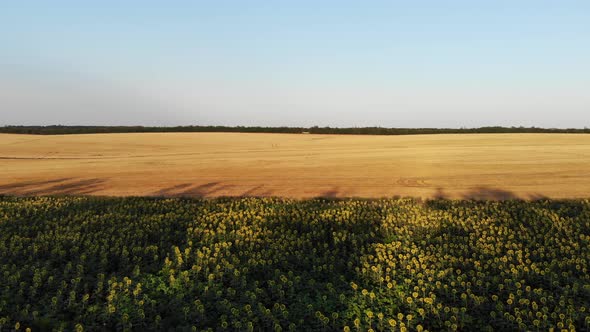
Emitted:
pixel 64 130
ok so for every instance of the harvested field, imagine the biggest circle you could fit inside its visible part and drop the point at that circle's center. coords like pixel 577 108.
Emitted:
pixel 483 166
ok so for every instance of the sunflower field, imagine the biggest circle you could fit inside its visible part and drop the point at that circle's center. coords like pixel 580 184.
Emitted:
pixel 270 264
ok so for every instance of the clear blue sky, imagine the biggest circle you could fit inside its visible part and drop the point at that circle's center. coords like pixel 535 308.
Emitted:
pixel 296 63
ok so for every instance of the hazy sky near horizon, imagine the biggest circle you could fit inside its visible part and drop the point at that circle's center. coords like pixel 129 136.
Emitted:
pixel 296 63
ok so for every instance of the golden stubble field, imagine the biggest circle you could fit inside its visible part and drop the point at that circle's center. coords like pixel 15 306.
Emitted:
pixel 494 166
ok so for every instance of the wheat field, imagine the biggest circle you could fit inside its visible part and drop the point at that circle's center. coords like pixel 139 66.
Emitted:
pixel 480 166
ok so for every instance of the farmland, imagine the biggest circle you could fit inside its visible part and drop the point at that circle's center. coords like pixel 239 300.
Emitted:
pixel 457 166
pixel 253 264
pixel 492 232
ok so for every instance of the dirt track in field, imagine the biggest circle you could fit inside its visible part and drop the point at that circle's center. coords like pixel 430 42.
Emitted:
pixel 483 166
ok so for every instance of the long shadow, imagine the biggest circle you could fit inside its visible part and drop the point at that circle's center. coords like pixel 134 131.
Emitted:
pixel 207 190
pixel 257 192
pixel 251 191
pixel 171 191
pixel 63 186
pixel 190 190
pixel 21 185
pixel 78 187
pixel 486 193
pixel 444 201
pixel 439 194
pixel 537 197
pixel 331 193
pixel 478 194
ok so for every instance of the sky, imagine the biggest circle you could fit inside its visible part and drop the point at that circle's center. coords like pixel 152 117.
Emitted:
pixel 296 63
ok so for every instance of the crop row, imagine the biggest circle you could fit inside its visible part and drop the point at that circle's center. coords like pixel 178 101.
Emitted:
pixel 101 264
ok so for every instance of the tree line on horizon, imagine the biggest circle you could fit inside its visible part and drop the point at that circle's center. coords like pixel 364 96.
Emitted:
pixel 64 130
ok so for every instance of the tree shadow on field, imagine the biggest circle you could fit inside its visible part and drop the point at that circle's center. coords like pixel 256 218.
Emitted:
pixel 487 194
pixel 192 190
pixel 210 189
pixel 537 197
pixel 439 194
pixel 478 194
pixel 23 185
pixel 62 186
pixel 172 191
pixel 442 201
pixel 330 193
pixel 256 192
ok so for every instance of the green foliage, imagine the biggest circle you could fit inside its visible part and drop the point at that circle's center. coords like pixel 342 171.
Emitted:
pixel 102 264
pixel 63 130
